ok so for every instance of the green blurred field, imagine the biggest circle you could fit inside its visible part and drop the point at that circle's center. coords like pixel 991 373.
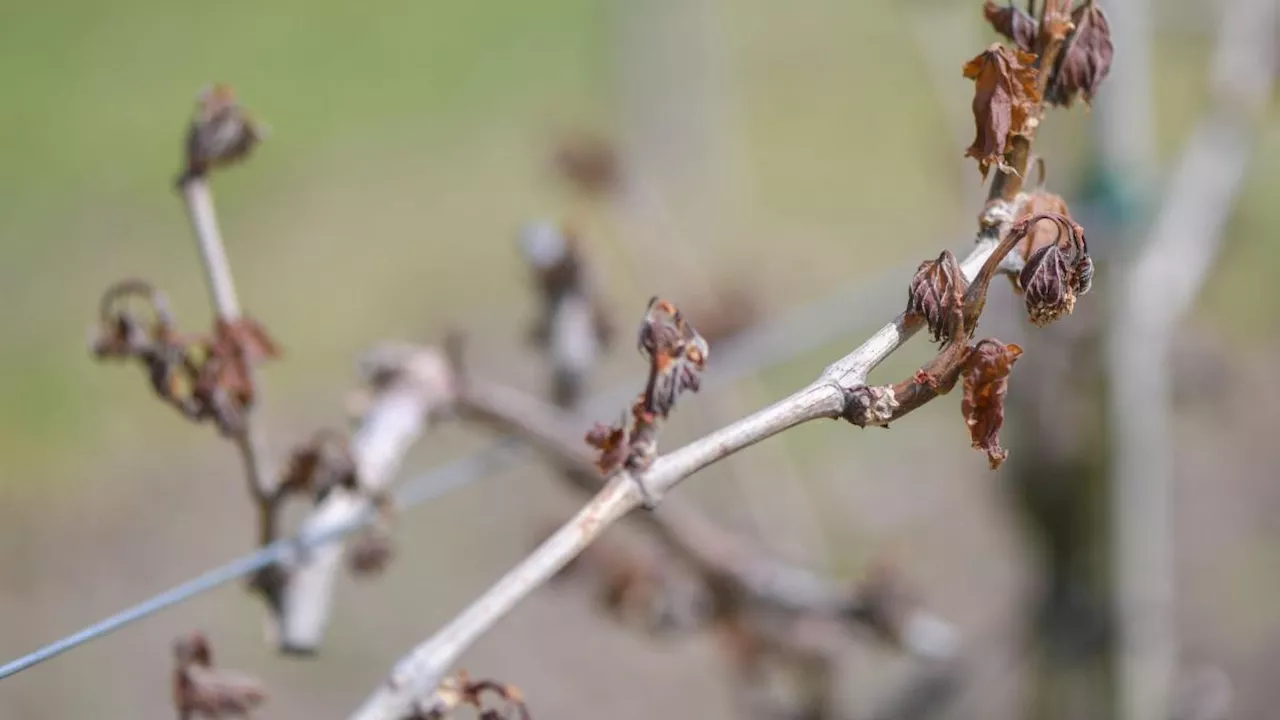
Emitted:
pixel 409 140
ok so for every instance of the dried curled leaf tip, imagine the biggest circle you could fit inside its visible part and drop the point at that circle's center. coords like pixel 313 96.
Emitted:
pixel 677 356
pixel 1086 60
pixel 205 377
pixel 1005 102
pixel 611 441
pixel 221 132
pixel 1012 22
pixel 1056 273
pixel 937 295
pixel 986 383
pixel 199 690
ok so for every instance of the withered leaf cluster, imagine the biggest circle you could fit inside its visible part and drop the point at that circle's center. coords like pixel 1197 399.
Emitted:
pixel 1077 54
pixel 206 377
pixel 201 691
pixel 677 356
pixel 489 699
pixel 1056 270
pixel 1005 103
pixel 1086 59
pixel 221 132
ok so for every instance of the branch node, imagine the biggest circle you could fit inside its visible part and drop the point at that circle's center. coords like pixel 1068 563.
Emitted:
pixel 869 405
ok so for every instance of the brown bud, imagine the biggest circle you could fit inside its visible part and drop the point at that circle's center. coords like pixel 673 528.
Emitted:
pixel 1045 280
pixel 589 163
pixel 1086 60
pixel 1056 273
pixel 371 550
pixel 677 356
pixel 936 294
pixel 613 444
pixel 221 132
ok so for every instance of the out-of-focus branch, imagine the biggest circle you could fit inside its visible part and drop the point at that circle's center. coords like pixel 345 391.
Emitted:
pixel 417 673
pixel 703 543
pixel 1155 295
pixel 573 326
pixel 405 385
pixel 222 133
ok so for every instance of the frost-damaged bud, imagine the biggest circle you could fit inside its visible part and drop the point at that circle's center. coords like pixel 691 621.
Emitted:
pixel 1057 273
pixel 883 601
pixel 200 690
pixel 461 691
pixel 319 465
pixel 677 356
pixel 986 382
pixel 371 550
pixel 1004 102
pixel 866 405
pixel 589 163
pixel 613 443
pixel 221 132
pixel 1012 22
pixel 1086 60
pixel 937 295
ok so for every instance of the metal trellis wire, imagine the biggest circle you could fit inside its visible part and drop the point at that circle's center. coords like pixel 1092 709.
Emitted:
pixel 765 344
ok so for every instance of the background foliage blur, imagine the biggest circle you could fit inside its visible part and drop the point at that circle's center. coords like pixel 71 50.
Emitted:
pixel 792 148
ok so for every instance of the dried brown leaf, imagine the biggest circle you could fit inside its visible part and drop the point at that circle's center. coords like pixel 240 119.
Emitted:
pixel 199 690
pixel 1012 22
pixel 986 382
pixel 1004 104
pixel 1086 60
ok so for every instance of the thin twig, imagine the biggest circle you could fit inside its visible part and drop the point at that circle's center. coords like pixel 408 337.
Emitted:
pixel 419 672
pixel 222 293
pixel 708 546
